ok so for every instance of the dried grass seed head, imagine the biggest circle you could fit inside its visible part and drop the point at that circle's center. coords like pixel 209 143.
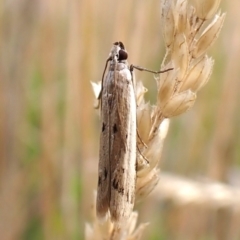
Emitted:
pixel 208 36
pixel 198 74
pixel 205 9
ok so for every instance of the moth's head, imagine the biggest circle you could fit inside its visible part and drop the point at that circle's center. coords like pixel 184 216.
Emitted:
pixel 118 52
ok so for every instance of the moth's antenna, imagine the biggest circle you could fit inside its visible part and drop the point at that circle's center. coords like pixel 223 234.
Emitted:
pixel 100 94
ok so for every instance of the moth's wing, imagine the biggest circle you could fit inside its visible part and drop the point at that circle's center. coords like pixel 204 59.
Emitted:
pixel 103 189
pixel 123 149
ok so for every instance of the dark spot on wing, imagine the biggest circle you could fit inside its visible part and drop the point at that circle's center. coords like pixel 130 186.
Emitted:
pixel 115 128
pixel 126 136
pixel 105 173
pixel 115 185
pixel 103 127
pixel 99 181
pixel 128 196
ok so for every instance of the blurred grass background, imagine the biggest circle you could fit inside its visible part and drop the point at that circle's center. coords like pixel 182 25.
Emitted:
pixel 49 131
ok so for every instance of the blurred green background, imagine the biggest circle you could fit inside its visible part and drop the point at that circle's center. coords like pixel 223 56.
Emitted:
pixel 49 132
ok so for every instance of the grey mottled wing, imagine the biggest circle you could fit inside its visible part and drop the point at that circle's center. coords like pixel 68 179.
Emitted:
pixel 104 174
pixel 117 163
pixel 123 148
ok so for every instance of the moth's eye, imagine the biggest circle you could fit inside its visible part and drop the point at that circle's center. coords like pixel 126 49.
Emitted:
pixel 122 55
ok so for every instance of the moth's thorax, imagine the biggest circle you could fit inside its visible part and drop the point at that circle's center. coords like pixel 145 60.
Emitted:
pixel 121 67
pixel 118 66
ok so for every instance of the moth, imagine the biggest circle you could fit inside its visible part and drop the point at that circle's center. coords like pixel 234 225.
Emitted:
pixel 117 162
pixel 118 145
